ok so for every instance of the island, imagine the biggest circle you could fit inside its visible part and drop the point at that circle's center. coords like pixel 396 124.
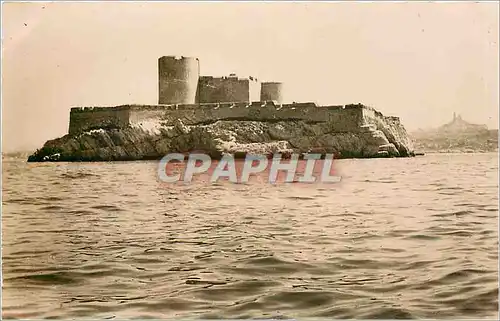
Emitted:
pixel 221 115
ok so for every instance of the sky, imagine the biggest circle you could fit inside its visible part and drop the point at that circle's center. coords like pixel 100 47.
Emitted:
pixel 419 61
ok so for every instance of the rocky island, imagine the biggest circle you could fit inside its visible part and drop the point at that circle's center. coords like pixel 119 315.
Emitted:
pixel 223 115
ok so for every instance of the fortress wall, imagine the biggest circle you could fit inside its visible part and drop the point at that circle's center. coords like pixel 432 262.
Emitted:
pixel 140 113
pixel 339 118
pixel 368 114
pixel 254 89
pixel 88 118
pixel 227 89
pixel 205 114
pixel 372 116
pixel 345 119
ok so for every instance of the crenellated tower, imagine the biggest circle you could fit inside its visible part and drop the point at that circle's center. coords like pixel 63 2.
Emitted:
pixel 271 91
pixel 177 79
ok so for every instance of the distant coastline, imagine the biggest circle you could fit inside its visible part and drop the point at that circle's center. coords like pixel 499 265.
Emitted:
pixel 457 136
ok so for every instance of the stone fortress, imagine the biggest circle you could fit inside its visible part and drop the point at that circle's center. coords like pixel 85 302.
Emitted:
pixel 184 94
pixel 180 87
pixel 224 115
pixel 180 83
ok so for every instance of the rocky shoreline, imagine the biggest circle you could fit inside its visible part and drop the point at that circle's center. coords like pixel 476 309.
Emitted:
pixel 152 138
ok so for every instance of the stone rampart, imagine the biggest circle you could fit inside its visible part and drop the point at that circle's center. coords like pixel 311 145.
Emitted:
pixel 347 118
pixel 88 118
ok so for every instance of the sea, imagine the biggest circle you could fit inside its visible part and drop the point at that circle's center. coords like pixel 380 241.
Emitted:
pixel 395 238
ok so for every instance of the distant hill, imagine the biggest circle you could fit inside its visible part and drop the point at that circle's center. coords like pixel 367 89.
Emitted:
pixel 19 154
pixel 456 136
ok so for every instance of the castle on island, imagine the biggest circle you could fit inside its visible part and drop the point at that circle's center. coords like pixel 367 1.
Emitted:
pixel 180 83
pixel 193 99
pixel 190 104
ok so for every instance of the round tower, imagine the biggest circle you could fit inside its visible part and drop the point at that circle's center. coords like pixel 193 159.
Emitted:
pixel 177 79
pixel 271 91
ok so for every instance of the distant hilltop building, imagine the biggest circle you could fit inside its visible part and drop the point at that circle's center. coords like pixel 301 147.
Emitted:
pixel 460 125
pixel 180 82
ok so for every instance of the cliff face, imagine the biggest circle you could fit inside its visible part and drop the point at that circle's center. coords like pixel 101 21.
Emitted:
pixel 368 134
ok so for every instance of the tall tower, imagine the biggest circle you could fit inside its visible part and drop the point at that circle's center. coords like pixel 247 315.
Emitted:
pixel 271 91
pixel 177 79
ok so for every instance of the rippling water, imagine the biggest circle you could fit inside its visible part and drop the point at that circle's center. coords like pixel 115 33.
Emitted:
pixel 397 238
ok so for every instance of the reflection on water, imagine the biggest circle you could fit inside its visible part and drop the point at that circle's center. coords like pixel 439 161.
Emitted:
pixel 397 238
